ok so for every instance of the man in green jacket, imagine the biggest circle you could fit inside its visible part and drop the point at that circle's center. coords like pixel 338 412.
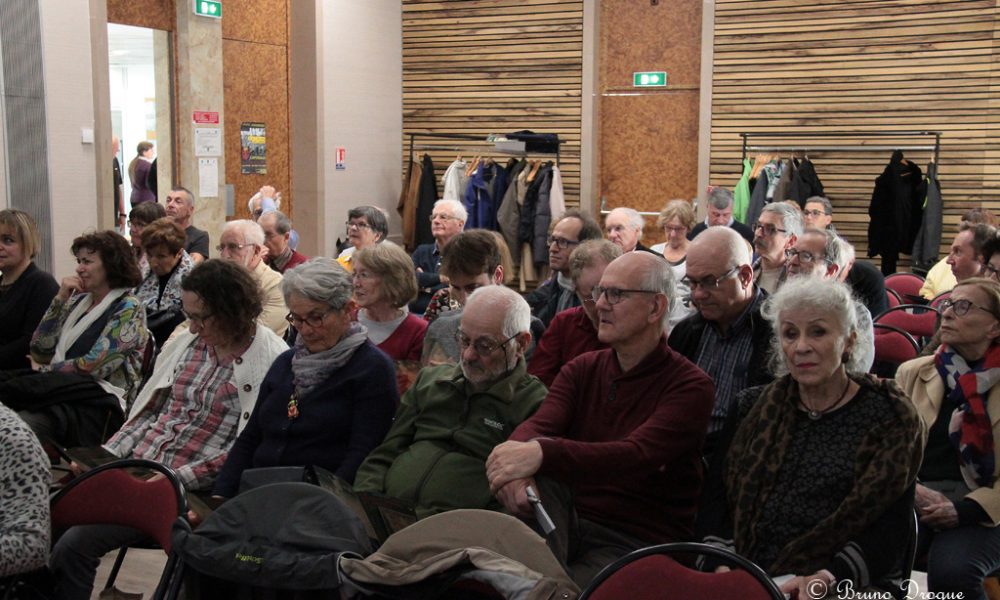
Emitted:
pixel 434 456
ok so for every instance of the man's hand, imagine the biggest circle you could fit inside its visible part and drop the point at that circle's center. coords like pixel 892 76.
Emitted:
pixel 809 587
pixel 512 460
pixel 926 497
pixel 514 497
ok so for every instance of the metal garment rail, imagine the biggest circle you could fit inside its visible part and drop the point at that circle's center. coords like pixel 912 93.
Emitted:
pixel 476 138
pixel 816 135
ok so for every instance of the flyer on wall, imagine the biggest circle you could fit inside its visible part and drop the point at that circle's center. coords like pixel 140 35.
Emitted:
pixel 253 149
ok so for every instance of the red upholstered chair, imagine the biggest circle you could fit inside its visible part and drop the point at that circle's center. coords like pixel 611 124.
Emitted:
pixel 893 347
pixel 112 494
pixel 906 285
pixel 653 574
pixel 918 320
pixel 892 298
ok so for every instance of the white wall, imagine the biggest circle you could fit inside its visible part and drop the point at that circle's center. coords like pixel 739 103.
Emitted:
pixel 69 108
pixel 361 72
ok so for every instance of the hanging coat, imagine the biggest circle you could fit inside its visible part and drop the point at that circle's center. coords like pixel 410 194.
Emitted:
pixel 896 209
pixel 741 194
pixel 409 197
pixel 758 199
pixel 543 218
pixel 428 196
pixel 484 194
pixel 509 214
pixel 784 182
pixel 925 248
pixel 805 183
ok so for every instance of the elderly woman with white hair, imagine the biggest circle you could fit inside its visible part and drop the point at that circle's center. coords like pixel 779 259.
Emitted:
pixel 329 400
pixel 819 477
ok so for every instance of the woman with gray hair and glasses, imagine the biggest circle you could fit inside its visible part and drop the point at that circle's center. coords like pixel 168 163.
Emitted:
pixel 366 226
pixel 329 400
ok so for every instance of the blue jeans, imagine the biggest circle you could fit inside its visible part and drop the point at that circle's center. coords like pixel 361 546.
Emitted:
pixel 78 553
pixel 960 558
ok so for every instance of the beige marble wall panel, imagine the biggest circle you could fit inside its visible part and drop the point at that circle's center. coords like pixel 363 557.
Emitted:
pixel 256 82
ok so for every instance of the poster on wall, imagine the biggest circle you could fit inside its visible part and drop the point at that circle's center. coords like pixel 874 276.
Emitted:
pixel 253 149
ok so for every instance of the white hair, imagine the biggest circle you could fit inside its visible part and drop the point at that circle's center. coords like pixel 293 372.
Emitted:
pixel 633 216
pixel 251 231
pixel 516 312
pixel 457 209
pixel 791 218
pixel 660 278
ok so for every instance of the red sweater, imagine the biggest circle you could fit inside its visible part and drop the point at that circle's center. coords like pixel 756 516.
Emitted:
pixel 629 444
pixel 570 334
pixel 407 342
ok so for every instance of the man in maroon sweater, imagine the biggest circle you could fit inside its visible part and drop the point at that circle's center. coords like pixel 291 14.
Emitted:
pixel 622 428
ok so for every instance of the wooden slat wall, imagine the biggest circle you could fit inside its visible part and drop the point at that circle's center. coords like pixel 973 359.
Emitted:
pixel 494 66
pixel 863 65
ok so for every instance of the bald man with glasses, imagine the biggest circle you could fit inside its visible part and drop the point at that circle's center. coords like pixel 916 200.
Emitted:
pixel 727 337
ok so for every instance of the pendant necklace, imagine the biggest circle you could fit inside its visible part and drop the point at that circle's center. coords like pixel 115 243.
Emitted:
pixel 816 415
pixel 293 407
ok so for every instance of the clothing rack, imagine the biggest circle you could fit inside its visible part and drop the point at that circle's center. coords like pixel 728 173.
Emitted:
pixel 746 135
pixel 471 138
pixel 605 210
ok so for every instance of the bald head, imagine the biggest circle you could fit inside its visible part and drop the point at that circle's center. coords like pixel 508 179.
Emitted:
pixel 720 275
pixel 722 241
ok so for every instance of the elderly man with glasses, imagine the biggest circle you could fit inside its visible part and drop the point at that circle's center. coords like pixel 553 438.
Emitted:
pixel 448 218
pixel 623 427
pixel 775 231
pixel 433 457
pixel 727 337
pixel 242 243
pixel 557 293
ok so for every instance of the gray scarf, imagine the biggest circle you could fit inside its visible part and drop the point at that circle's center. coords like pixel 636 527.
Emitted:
pixel 309 369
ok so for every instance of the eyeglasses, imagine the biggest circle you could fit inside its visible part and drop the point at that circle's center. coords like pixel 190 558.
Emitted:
pixel 198 320
pixel 483 346
pixel 443 217
pixel 674 229
pixel 615 295
pixel 813 213
pixel 356 225
pixel 804 256
pixel 232 247
pixel 136 224
pixel 708 283
pixel 961 307
pixel 767 228
pixel 561 243
pixel 312 320
pixel 991 271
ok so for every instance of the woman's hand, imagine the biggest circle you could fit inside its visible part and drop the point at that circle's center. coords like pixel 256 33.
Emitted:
pixel 926 497
pixel 940 516
pixel 809 587
pixel 68 287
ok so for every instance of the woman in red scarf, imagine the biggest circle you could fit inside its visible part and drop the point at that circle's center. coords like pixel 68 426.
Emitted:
pixel 958 498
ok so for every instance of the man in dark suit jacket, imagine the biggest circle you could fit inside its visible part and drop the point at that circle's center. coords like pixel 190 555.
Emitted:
pixel 720 212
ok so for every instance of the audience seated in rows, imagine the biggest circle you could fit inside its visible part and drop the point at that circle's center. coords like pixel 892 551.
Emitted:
pixel 277 234
pixel 622 428
pixel 141 216
pixel 818 479
pixel 574 331
pixel 180 206
pixel 366 226
pixel 778 226
pixel 448 218
pixel 940 278
pixel 169 264
pixel 384 283
pixel 452 417
pixel 720 214
pixel 25 290
pixel 242 243
pixel 199 397
pixel 329 400
pixel 94 332
pixel 958 494
pixel 557 293
pixel 623 227
pixel 727 338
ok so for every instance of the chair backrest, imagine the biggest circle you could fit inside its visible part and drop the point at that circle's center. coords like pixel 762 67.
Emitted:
pixel 893 347
pixel 653 574
pixel 918 320
pixel 112 495
pixel 936 302
pixel 907 285
pixel 892 298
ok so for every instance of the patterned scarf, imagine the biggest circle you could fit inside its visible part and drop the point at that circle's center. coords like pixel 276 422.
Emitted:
pixel 310 369
pixel 969 428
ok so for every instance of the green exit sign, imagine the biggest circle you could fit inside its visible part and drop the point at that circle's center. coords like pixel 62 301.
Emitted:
pixel 208 8
pixel 649 79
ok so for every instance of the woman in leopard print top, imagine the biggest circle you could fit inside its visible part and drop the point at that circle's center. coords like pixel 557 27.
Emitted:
pixel 24 497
